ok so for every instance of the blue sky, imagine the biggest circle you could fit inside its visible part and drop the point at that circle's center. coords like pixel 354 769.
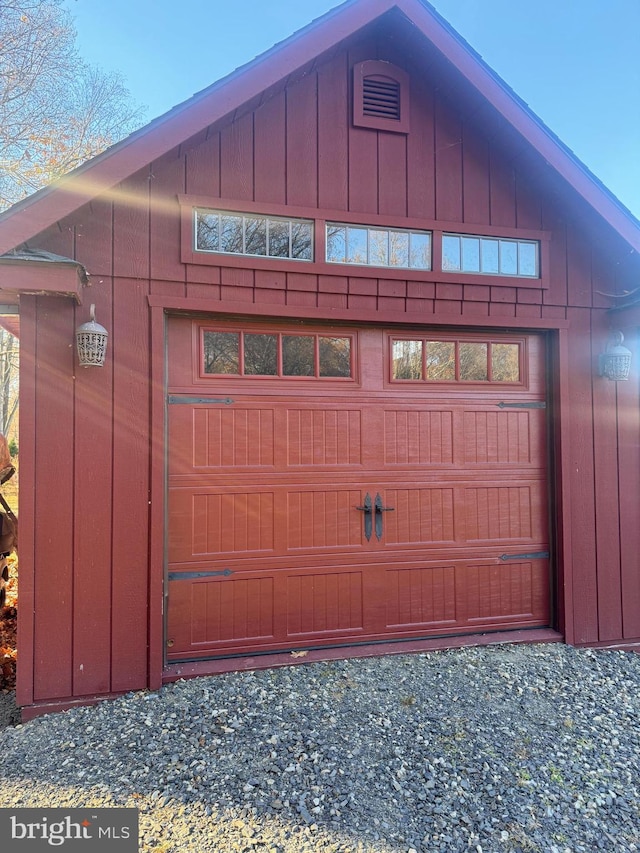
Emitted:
pixel 575 62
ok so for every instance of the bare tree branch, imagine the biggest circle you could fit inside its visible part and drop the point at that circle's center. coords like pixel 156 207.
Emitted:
pixel 56 111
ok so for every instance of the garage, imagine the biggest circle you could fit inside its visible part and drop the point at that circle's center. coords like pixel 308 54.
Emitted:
pixel 338 485
pixel 365 384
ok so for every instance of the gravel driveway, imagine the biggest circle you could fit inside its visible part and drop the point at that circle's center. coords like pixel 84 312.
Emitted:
pixel 502 748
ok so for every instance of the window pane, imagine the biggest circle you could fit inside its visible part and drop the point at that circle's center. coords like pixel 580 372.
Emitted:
pixel 255 236
pixel 505 362
pixel 221 352
pixel 450 253
pixel 407 360
pixel 356 245
pixel 231 234
pixel 527 259
pixel 420 257
pixel 508 257
pixel 298 355
pixel 278 238
pixel 207 231
pixel 260 355
pixel 379 248
pixel 441 361
pixel 336 244
pixel 335 356
pixel 301 240
pixel 489 256
pixel 473 362
pixel 471 254
pixel 398 249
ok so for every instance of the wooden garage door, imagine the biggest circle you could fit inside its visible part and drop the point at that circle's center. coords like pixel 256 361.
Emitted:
pixel 338 486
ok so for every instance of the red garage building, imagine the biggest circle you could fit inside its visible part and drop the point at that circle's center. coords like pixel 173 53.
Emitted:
pixel 356 295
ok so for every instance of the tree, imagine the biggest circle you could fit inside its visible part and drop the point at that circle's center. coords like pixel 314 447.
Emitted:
pixel 9 350
pixel 56 111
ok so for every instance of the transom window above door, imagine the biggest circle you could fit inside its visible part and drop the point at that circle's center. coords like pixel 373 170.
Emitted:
pixel 378 247
pixel 245 235
pixel 430 359
pixel 489 255
pixel 233 233
pixel 278 354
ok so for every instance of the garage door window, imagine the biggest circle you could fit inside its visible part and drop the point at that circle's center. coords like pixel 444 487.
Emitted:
pixel 243 353
pixel 432 360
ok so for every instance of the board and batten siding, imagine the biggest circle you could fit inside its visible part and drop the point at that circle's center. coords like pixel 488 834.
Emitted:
pixel 86 488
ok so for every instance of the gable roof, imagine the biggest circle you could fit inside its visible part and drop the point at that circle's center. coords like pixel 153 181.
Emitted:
pixel 40 210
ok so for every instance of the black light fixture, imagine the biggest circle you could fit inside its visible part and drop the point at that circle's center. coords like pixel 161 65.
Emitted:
pixel 91 341
pixel 615 361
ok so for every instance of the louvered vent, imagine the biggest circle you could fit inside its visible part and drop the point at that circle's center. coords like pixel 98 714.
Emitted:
pixel 381 98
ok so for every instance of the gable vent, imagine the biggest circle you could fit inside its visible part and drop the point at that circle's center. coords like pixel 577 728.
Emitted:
pixel 381 98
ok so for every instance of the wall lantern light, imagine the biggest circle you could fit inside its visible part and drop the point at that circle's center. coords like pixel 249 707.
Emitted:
pixel 615 361
pixel 91 340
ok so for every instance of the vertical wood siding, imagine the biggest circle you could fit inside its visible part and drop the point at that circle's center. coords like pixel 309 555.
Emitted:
pixel 55 461
pixel 28 438
pixel 90 469
pixel 130 447
pixel 92 499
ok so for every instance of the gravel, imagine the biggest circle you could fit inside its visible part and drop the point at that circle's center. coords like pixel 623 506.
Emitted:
pixel 502 748
pixel 9 714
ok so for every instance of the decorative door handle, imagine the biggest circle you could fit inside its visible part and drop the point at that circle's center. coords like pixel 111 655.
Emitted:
pixel 367 510
pixel 379 510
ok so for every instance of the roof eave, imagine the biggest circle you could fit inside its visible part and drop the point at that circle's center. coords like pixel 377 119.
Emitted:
pixel 40 278
pixel 522 119
pixel 98 175
pixel 40 210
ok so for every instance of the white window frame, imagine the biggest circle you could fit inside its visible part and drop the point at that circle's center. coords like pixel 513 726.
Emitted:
pixel 244 216
pixel 373 262
pixel 501 242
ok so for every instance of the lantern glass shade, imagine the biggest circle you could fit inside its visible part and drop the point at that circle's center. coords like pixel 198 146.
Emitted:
pixel 615 361
pixel 91 341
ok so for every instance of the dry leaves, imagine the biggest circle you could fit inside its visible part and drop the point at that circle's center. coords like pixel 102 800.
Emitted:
pixel 8 629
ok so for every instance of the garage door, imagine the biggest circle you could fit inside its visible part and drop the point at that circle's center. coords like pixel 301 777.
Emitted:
pixel 351 485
